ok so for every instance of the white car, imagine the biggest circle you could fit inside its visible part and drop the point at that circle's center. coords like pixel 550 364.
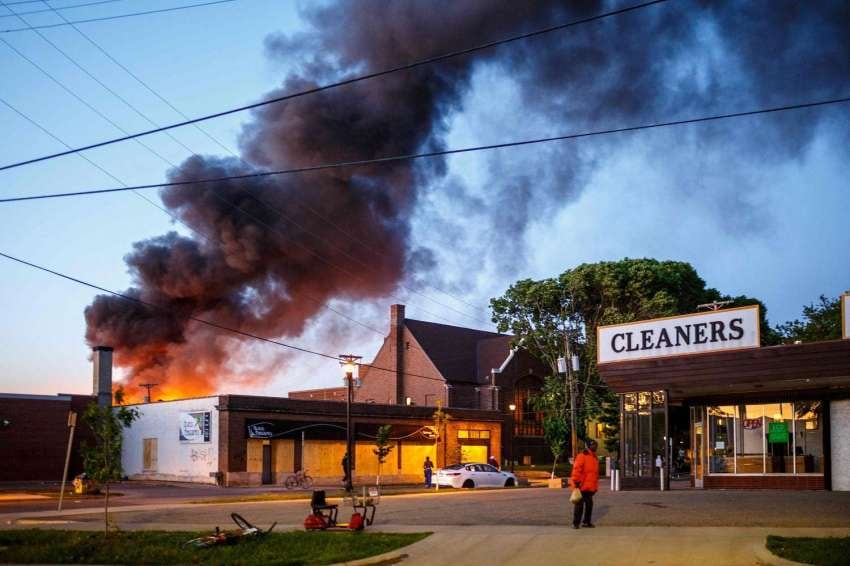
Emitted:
pixel 474 475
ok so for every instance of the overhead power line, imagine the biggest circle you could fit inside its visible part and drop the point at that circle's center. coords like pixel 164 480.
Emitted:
pixel 208 322
pixel 338 84
pixel 88 73
pixel 144 116
pixel 52 9
pixel 160 308
pixel 197 319
pixel 220 144
pixel 119 16
pixel 19 2
pixel 407 157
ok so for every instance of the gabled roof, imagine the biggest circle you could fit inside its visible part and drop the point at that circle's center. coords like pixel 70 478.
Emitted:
pixel 492 353
pixel 452 349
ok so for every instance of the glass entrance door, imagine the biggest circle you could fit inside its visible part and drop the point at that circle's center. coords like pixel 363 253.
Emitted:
pixel 697 443
pixel 645 440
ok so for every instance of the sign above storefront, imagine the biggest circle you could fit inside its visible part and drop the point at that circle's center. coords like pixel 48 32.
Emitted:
pixel 845 315
pixel 728 329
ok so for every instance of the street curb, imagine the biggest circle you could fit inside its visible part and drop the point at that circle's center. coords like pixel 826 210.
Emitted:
pixel 765 556
pixel 390 557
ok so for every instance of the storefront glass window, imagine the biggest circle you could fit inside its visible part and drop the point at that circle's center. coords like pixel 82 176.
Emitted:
pixel 721 440
pixel 772 438
pixel 750 448
pixel 778 418
pixel 808 437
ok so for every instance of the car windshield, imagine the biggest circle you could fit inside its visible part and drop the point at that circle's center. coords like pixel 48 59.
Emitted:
pixel 454 467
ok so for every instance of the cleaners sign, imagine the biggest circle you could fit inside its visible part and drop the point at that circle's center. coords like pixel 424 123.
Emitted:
pixel 729 329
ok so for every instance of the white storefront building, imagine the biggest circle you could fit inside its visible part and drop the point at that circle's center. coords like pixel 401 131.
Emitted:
pixel 174 441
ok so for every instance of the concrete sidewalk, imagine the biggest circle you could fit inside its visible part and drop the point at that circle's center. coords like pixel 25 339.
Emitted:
pixel 613 546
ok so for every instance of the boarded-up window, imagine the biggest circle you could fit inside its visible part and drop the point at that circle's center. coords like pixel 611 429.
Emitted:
pixel 255 455
pixel 413 457
pixel 149 456
pixel 283 455
pixel 323 458
pixel 473 453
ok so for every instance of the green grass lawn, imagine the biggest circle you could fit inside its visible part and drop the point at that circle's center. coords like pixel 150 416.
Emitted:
pixel 159 547
pixel 820 551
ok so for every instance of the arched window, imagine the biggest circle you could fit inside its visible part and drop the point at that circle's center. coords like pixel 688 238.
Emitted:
pixel 527 421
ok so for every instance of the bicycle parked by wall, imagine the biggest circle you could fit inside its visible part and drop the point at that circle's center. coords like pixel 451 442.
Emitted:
pixel 298 479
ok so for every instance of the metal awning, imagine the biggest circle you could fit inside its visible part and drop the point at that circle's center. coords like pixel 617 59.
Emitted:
pixel 817 369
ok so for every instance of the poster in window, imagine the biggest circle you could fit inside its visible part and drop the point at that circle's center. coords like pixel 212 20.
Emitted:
pixel 195 427
pixel 777 433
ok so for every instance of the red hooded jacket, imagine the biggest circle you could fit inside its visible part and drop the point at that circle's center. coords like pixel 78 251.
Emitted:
pixel 586 471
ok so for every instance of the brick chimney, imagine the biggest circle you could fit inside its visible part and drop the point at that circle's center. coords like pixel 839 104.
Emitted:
pixel 397 342
pixel 102 379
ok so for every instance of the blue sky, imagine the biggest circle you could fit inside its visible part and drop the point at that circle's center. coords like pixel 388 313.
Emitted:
pixel 774 228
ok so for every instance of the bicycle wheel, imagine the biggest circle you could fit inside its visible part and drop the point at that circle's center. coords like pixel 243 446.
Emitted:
pixel 307 482
pixel 291 482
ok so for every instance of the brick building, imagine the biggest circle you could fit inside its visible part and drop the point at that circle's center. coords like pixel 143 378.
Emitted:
pixel 422 363
pixel 34 436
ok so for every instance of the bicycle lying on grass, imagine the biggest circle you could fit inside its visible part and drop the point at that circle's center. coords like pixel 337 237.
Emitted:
pixel 298 479
pixel 246 530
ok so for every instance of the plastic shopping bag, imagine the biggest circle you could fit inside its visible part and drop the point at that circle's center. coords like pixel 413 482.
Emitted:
pixel 576 496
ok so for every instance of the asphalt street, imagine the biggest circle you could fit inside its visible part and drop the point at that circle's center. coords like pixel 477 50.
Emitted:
pixel 531 506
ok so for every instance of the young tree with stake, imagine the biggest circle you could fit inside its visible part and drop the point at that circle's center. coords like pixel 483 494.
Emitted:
pixel 102 462
pixel 382 448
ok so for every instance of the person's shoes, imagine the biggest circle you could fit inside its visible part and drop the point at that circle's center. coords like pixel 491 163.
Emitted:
pixel 588 525
pixel 576 527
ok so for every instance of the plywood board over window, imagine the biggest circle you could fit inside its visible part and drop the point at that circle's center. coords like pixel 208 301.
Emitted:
pixel 366 461
pixel 255 455
pixel 413 456
pixel 323 458
pixel 473 453
pixel 283 455
pixel 149 454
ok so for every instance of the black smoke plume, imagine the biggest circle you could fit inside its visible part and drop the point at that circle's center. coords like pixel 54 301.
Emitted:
pixel 266 254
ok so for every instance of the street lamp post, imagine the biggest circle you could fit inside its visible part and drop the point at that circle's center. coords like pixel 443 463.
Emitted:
pixel 350 370
pixel 512 408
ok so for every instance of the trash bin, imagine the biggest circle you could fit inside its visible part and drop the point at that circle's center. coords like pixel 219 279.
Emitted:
pixel 82 484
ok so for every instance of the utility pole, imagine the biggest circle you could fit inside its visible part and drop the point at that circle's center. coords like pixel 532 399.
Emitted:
pixel 572 390
pixel 714 305
pixel 567 365
pixel 72 424
pixel 148 386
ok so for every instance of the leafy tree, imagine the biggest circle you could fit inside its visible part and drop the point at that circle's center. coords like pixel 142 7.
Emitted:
pixel 542 314
pixel 102 462
pixel 821 321
pixel 556 427
pixel 382 447
pixel 441 419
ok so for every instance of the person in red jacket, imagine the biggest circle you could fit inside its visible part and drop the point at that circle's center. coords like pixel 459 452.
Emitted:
pixel 585 477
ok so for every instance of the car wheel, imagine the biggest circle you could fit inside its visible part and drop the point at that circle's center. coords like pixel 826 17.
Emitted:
pixel 468 484
pixel 509 482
